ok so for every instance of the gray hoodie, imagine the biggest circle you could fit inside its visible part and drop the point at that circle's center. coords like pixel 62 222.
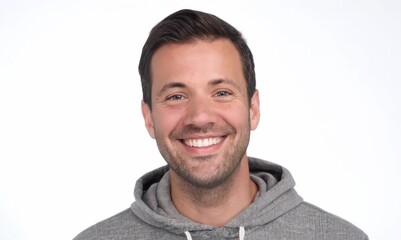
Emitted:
pixel 277 212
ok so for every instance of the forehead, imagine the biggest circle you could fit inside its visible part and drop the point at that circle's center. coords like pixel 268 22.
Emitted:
pixel 202 58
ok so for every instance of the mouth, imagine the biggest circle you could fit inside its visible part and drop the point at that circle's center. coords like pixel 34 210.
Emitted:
pixel 202 142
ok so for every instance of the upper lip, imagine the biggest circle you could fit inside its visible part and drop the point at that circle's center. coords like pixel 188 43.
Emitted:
pixel 199 136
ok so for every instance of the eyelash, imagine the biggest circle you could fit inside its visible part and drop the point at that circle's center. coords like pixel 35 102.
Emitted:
pixel 223 93
pixel 175 97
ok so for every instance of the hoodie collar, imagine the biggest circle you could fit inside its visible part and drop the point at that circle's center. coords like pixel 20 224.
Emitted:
pixel 276 196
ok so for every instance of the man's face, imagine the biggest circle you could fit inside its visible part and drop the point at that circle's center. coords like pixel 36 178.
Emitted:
pixel 200 115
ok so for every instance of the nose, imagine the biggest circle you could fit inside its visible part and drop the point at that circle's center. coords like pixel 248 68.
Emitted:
pixel 200 112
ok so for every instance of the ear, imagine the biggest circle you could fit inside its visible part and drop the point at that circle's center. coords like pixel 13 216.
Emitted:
pixel 254 110
pixel 147 116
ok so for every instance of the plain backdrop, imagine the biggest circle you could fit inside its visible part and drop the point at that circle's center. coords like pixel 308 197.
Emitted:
pixel 72 137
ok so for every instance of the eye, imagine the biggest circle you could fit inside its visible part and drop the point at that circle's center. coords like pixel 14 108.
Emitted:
pixel 175 97
pixel 223 93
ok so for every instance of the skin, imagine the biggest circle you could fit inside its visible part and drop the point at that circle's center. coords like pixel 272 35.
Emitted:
pixel 201 120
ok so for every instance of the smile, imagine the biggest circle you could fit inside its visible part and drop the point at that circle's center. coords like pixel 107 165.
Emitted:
pixel 205 142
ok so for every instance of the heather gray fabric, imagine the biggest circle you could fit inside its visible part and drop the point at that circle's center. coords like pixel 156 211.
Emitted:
pixel 278 212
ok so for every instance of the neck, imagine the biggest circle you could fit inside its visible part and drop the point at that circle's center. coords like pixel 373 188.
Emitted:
pixel 216 206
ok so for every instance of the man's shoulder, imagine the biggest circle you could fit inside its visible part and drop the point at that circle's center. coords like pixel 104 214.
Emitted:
pixel 119 226
pixel 311 218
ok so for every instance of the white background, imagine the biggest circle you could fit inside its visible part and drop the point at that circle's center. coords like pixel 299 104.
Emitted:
pixel 72 138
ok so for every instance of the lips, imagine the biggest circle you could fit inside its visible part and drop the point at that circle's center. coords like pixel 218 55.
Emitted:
pixel 204 142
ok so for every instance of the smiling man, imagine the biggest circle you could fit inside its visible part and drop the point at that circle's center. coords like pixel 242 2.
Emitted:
pixel 200 104
pixel 201 119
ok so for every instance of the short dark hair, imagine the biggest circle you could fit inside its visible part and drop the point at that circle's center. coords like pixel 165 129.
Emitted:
pixel 188 26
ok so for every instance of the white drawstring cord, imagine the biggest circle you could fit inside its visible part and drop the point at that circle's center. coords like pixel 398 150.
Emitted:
pixel 241 233
pixel 188 235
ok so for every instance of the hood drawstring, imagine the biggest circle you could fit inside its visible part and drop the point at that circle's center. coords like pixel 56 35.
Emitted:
pixel 241 233
pixel 188 235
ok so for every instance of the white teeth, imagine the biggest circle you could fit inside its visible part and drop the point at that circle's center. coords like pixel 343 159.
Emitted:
pixel 202 142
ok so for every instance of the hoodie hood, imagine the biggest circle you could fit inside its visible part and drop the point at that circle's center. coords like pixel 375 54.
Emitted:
pixel 276 196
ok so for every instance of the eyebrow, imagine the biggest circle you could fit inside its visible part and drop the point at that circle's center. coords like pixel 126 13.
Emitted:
pixel 224 81
pixel 171 85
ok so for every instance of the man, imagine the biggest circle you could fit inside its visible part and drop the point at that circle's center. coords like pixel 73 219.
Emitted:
pixel 200 104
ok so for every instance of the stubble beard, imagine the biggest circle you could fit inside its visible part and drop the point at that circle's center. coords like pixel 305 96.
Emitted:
pixel 219 176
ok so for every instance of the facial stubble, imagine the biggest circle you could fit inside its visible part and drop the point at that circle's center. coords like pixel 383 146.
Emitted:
pixel 221 175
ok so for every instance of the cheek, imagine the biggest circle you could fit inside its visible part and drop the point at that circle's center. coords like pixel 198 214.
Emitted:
pixel 237 117
pixel 165 122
